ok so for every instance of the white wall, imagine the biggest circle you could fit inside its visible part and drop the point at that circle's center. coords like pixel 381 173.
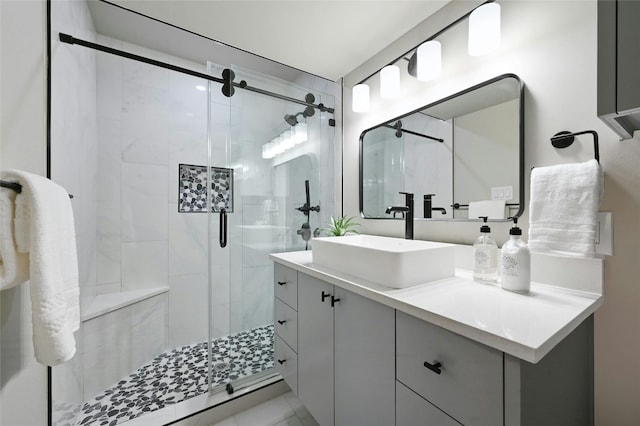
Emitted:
pixel 551 45
pixel 23 382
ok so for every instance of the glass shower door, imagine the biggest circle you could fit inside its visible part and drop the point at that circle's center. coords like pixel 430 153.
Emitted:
pixel 274 151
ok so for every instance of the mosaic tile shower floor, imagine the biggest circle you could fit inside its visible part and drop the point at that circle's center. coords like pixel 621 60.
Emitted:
pixel 179 375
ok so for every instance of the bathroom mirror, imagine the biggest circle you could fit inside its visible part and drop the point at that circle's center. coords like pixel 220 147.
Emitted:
pixel 465 149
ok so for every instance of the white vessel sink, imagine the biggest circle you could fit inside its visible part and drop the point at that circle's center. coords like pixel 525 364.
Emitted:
pixel 392 262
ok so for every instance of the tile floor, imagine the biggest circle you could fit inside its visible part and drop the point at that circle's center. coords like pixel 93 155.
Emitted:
pixel 284 410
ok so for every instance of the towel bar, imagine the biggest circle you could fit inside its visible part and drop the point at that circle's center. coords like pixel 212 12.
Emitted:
pixel 564 139
pixel 15 186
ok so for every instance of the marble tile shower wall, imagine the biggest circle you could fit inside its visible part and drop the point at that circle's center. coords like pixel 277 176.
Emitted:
pixel 149 121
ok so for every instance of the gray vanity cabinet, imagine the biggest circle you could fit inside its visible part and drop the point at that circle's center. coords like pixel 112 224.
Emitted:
pixel 353 361
pixel 345 356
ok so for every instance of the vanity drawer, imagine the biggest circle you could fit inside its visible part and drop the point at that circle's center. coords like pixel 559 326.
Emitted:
pixel 470 384
pixel 286 284
pixel 286 361
pixel 286 323
pixel 413 410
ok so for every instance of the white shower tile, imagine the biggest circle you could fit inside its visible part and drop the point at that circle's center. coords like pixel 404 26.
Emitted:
pixel 144 101
pixel 187 242
pixel 108 244
pixel 188 309
pixel 145 138
pixel 134 72
pixel 109 159
pixel 257 291
pixel 144 265
pixel 144 203
pixel 109 86
pixel 148 329
pixel 106 351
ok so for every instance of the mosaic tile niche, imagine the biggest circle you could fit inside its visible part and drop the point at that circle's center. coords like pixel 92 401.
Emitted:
pixel 192 184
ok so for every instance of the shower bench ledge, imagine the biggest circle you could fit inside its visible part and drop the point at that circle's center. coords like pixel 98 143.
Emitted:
pixel 104 303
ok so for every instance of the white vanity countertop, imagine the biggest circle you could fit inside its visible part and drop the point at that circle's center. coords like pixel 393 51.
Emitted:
pixel 524 326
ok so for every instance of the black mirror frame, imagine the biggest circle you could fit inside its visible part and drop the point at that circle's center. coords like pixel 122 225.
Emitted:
pixel 521 200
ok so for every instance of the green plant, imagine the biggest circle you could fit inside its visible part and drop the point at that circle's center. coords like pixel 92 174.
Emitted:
pixel 341 226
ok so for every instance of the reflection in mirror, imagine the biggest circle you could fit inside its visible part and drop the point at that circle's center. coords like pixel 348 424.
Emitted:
pixel 458 155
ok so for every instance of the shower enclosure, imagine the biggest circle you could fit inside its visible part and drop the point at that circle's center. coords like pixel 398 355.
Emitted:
pixel 155 159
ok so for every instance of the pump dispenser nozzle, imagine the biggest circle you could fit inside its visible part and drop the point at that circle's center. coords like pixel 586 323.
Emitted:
pixel 515 230
pixel 484 228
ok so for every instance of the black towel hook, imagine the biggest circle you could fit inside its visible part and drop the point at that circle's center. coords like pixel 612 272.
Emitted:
pixel 564 139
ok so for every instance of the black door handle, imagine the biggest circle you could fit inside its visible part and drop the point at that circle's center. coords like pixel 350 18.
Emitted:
pixel 282 282
pixel 435 367
pixel 281 322
pixel 325 295
pixel 223 228
pixel 282 361
pixel 333 301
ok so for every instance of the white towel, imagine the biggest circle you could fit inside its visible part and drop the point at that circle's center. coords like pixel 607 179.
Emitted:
pixel 564 203
pixel 494 209
pixel 53 266
pixel 14 266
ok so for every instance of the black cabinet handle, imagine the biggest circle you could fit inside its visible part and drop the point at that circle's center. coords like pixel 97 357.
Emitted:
pixel 282 282
pixel 282 361
pixel 435 367
pixel 325 295
pixel 281 322
pixel 333 301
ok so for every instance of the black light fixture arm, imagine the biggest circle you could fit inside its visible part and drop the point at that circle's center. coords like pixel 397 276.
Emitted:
pixel 228 76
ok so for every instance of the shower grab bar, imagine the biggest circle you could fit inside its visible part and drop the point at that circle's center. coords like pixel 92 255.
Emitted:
pixel 15 186
pixel 223 228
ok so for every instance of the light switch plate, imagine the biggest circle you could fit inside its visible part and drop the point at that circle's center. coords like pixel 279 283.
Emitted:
pixel 502 193
pixel 604 233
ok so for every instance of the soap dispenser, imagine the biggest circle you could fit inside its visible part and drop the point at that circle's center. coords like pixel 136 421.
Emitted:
pixel 516 262
pixel 485 255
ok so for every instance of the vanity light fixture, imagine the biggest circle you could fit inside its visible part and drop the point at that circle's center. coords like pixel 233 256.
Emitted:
pixel 360 98
pixel 390 82
pixel 484 29
pixel 426 61
pixel 285 141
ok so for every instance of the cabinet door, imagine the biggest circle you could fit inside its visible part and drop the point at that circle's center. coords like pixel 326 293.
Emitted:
pixel 628 89
pixel 315 348
pixel 364 361
pixel 412 410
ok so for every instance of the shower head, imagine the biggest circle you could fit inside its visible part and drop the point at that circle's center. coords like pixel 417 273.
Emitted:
pixel 291 119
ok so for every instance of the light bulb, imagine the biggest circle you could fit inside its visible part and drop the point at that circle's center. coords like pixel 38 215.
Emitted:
pixel 360 98
pixel 484 29
pixel 429 60
pixel 389 82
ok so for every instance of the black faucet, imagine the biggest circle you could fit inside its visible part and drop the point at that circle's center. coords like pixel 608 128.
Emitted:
pixel 407 209
pixel 428 206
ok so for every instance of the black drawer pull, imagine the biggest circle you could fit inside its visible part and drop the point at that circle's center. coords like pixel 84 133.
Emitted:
pixel 325 295
pixel 435 367
pixel 281 322
pixel 333 301
pixel 282 361
pixel 282 282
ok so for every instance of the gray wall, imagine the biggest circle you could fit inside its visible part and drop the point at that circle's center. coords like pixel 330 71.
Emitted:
pixel 551 45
